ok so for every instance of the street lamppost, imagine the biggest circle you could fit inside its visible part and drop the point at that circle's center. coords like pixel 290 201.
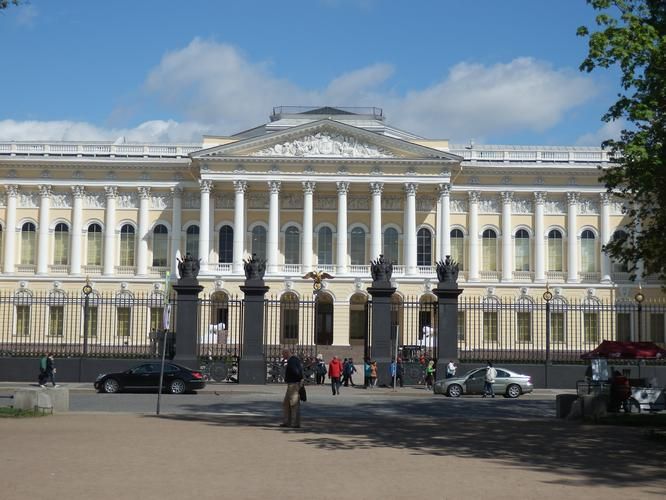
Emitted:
pixel 87 290
pixel 639 298
pixel 547 296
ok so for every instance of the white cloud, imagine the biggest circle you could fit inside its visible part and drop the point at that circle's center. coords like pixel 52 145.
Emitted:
pixel 217 89
pixel 609 130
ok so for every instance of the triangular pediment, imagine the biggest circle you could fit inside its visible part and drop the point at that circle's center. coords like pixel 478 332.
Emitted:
pixel 324 139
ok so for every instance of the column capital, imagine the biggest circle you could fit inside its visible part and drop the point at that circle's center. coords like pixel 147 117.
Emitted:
pixel 605 198
pixel 12 189
pixel 540 197
pixel 444 189
pixel 376 187
pixel 572 198
pixel 411 188
pixel 506 197
pixel 240 187
pixel 111 191
pixel 45 190
pixel 176 192
pixel 206 186
pixel 308 187
pixel 144 192
pixel 274 186
pixel 343 187
pixel 474 196
pixel 78 191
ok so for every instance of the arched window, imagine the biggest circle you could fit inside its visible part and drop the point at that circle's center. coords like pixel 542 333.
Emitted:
pixel 192 241
pixel 358 316
pixel 555 250
pixel 28 240
pixel 259 241
pixel 619 266
pixel 424 247
pixel 160 246
pixel 489 250
pixel 127 239
pixel 588 252
pixel 458 247
pixel 226 245
pixel 522 250
pixel 288 316
pixel 357 247
pixel 325 246
pixel 292 245
pixel 94 240
pixel 391 245
pixel 61 244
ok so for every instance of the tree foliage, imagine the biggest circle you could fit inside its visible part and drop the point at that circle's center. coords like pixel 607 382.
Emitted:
pixel 632 37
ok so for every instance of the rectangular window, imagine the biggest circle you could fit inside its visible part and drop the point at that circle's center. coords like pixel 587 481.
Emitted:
pixel 56 320
pixel 156 318
pixel 123 316
pixel 555 254
pixel 588 256
pixel 22 321
pixel 656 327
pixel 458 251
pixel 92 321
pixel 524 326
pixel 461 326
pixel 557 327
pixel 489 249
pixel 623 327
pixel 127 250
pixel 60 250
pixel 591 327
pixel 290 323
pixel 94 248
pixel 522 257
pixel 490 327
pixel 28 249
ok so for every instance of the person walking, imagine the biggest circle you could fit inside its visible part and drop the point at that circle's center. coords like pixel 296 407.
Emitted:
pixel 42 370
pixel 489 380
pixel 451 369
pixel 50 370
pixel 320 370
pixel 334 373
pixel 430 375
pixel 373 374
pixel 367 370
pixel 400 373
pixel 350 369
pixel 291 404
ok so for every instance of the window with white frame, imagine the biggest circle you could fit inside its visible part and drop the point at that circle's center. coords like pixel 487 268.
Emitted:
pixel 591 323
pixel 61 244
pixel 28 243
pixel 192 241
pixel 357 247
pixel 123 321
pixel 160 245
pixel 558 321
pixel 292 245
pixel 390 247
pixel 56 320
pixel 127 241
pixel 23 320
pixel 588 252
pixel 358 316
pixel 555 250
pixel 94 245
pixel 491 308
pixel 259 241
pixel 524 321
pixel 424 247
pixel 325 246
pixel 522 250
pixel 489 250
pixel 458 247
pixel 289 316
pixel 461 326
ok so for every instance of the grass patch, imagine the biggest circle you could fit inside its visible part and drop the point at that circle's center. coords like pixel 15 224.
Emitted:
pixel 9 412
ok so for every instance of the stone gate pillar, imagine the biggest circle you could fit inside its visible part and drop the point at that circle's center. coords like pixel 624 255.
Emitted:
pixel 380 331
pixel 187 312
pixel 447 292
pixel 252 365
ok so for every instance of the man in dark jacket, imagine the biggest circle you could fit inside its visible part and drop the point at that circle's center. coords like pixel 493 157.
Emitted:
pixel 291 405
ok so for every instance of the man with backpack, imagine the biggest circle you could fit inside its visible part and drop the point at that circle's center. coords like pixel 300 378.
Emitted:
pixel 349 370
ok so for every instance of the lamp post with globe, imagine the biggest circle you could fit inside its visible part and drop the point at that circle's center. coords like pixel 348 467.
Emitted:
pixel 639 298
pixel 547 297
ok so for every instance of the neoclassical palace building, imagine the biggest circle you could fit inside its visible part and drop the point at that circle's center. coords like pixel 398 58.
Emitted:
pixel 325 189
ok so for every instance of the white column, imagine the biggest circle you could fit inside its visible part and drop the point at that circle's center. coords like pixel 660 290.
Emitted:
pixel 445 225
pixel 212 251
pixel 10 228
pixel 341 261
pixel 43 237
pixel 205 187
pixel 539 237
pixel 376 189
pixel 142 253
pixel 605 237
pixel 176 227
pixel 473 236
pixel 410 229
pixel 273 226
pixel 306 250
pixel 110 231
pixel 572 230
pixel 507 236
pixel 239 226
pixel 77 230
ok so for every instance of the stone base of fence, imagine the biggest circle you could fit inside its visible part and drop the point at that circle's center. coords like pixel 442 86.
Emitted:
pixel 252 370
pixel 49 399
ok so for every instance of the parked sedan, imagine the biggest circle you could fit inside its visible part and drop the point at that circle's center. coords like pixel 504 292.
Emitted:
pixel 177 379
pixel 508 383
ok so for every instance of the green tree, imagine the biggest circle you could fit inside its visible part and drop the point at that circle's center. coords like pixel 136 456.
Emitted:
pixel 632 37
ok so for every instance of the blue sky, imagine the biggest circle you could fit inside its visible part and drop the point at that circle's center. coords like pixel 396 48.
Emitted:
pixel 502 72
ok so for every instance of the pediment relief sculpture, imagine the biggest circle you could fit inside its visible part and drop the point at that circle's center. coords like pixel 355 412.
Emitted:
pixel 325 144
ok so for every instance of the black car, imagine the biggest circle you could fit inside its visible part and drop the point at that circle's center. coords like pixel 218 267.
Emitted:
pixel 177 379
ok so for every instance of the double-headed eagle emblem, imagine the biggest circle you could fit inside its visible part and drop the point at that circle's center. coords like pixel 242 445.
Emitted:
pixel 317 277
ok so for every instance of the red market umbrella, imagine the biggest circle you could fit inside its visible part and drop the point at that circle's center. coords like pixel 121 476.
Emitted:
pixel 626 350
